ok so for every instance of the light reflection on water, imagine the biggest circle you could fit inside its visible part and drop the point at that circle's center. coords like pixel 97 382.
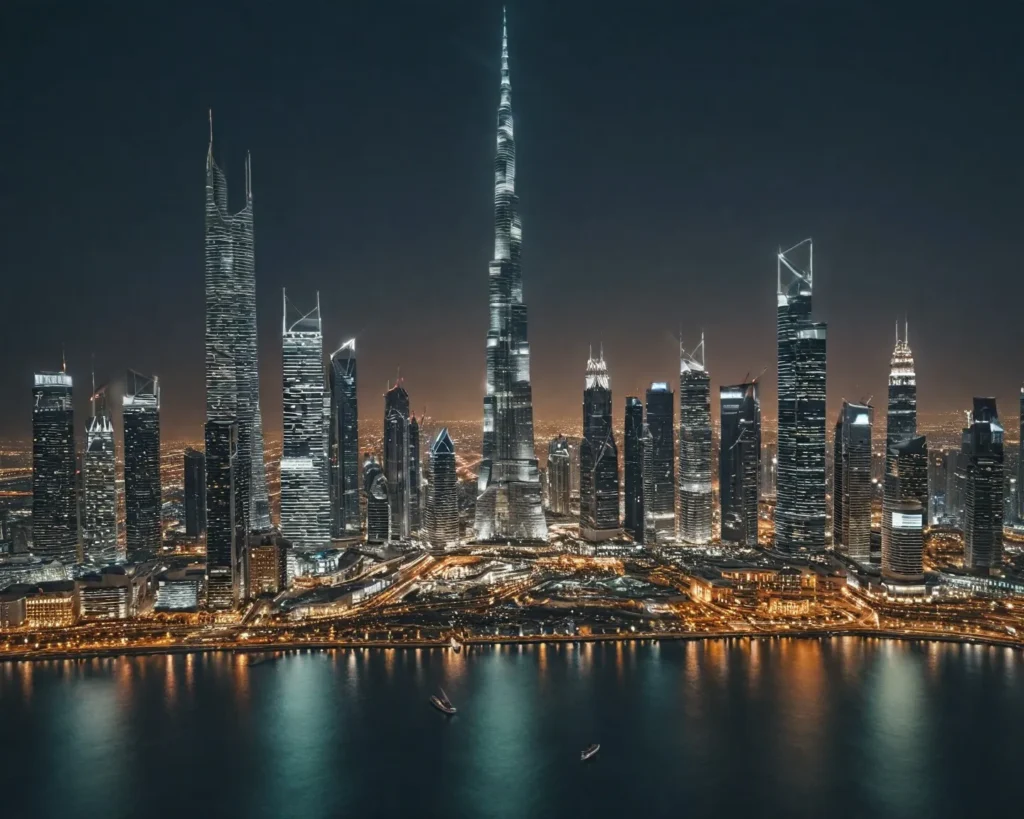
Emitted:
pixel 843 727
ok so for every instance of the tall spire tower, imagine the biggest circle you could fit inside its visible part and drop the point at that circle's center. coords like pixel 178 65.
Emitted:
pixel 508 505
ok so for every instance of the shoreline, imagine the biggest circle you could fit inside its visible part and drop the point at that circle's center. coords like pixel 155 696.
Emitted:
pixel 478 642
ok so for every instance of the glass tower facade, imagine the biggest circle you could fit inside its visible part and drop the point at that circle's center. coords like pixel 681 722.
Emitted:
pixel 142 497
pixel 223 517
pixel 378 502
pixel 851 512
pixel 739 462
pixel 442 507
pixel 305 503
pixel 344 443
pixel 599 457
pixel 54 503
pixel 983 502
pixel 660 502
pixel 900 425
pixel 509 504
pixel 559 468
pixel 397 460
pixel 232 373
pixel 633 471
pixel 695 497
pixel 195 493
pixel 99 485
pixel 906 483
pixel 800 476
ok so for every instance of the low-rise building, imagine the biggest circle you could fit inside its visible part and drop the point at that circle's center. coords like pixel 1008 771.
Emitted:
pixel 12 607
pixel 51 605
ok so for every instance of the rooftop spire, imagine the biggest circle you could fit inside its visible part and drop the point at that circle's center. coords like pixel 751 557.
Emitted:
pixel 506 84
pixel 209 150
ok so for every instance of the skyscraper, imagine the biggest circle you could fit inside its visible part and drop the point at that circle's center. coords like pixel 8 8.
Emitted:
pixel 54 506
pixel 633 477
pixel 983 504
pixel 442 507
pixel 695 499
pixel 599 457
pixel 1020 463
pixel 305 503
pixel 99 484
pixel 559 465
pixel 378 503
pixel 660 501
pixel 232 373
pixel 650 484
pixel 901 424
pixel 509 504
pixel 851 520
pixel 903 514
pixel 415 505
pixel 800 481
pixel 224 535
pixel 397 460
pixel 344 442
pixel 142 498
pixel 195 493
pixel 739 462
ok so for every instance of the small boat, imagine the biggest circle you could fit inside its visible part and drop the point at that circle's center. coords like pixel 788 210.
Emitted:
pixel 442 703
pixel 456 645
pixel 590 752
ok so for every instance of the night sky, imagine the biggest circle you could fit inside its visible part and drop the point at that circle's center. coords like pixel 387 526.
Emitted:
pixel 665 151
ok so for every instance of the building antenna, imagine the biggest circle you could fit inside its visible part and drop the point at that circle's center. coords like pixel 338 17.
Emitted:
pixel 63 359
pixel 92 401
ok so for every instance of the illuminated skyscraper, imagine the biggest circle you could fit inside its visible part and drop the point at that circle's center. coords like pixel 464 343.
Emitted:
pixel 660 500
pixel 344 442
pixel 633 478
pixel 907 480
pixel 224 535
pixel 99 485
pixel 305 502
pixel 695 498
pixel 800 481
pixel 599 457
pixel 54 506
pixel 402 462
pixel 559 467
pixel 851 520
pixel 195 493
pixel 442 507
pixel 739 462
pixel 901 425
pixel 415 473
pixel 650 488
pixel 509 503
pixel 232 372
pixel 378 502
pixel 983 504
pixel 142 498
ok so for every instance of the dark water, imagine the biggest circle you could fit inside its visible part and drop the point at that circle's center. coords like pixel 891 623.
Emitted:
pixel 837 728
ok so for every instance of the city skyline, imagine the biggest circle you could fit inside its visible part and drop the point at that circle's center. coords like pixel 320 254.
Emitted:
pixel 856 255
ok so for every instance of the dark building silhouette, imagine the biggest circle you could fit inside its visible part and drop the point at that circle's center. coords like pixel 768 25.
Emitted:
pixel 983 503
pixel 54 500
pixel 739 462
pixel 224 526
pixel 599 457
pixel 195 493
pixel 660 502
pixel 633 471
pixel 378 502
pixel 442 506
pixel 344 443
pixel 142 496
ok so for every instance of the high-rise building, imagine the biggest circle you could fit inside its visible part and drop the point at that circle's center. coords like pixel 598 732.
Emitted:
pixel 559 458
pixel 442 508
pixel 769 468
pixel 305 501
pixel 398 465
pixel 1020 463
pixel 660 502
pixel 509 504
pixel 695 497
pixel 195 493
pixel 851 517
pixel 378 502
pixel 650 494
pixel 142 497
pixel 99 485
pixel 739 462
pixel 900 422
pixel 223 517
pixel 599 457
pixel 415 505
pixel 633 477
pixel 267 564
pixel 903 513
pixel 800 483
pixel 344 442
pixel 232 372
pixel 983 503
pixel 54 504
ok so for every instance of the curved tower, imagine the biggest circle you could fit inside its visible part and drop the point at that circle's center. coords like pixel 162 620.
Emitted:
pixel 509 502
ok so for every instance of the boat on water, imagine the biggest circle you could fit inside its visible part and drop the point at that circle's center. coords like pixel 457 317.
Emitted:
pixel 442 703
pixel 456 645
pixel 590 752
